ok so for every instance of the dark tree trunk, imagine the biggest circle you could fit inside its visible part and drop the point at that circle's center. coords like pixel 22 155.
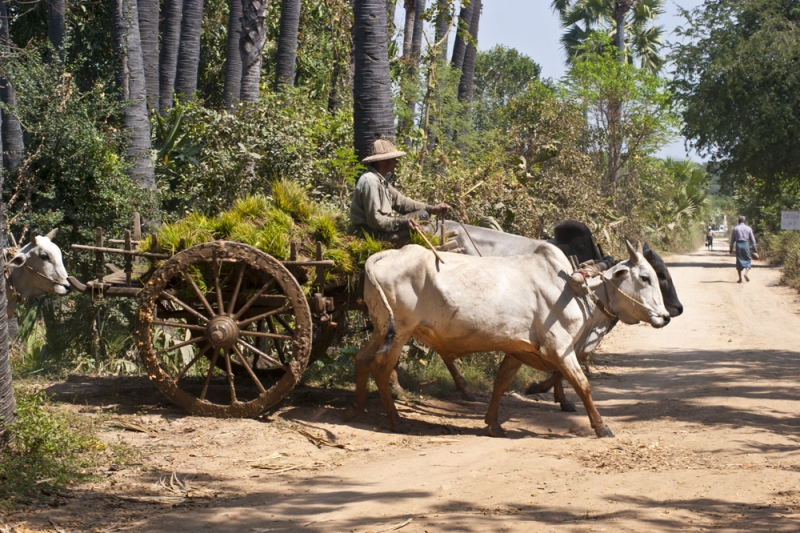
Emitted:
pixel 130 78
pixel 460 45
pixel 373 116
pixel 443 27
pixel 467 84
pixel 170 41
pixel 55 25
pixel 287 43
pixel 7 404
pixel 13 144
pixel 189 50
pixel 621 8
pixel 148 32
pixel 412 65
pixel 233 59
pixel 254 36
pixel 408 28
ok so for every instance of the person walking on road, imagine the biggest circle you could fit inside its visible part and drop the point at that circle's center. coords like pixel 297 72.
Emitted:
pixel 741 238
pixel 710 239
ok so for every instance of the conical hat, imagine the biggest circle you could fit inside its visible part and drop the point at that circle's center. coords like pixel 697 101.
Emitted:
pixel 381 150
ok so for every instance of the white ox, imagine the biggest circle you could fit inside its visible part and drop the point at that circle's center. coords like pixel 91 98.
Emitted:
pixel 523 306
pixel 34 270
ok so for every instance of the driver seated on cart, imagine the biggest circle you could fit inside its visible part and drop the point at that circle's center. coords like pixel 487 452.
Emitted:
pixel 378 209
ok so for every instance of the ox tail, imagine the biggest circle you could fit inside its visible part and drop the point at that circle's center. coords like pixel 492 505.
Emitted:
pixel 390 331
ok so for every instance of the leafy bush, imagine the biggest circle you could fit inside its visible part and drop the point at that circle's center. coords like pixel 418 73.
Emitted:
pixel 784 248
pixel 46 448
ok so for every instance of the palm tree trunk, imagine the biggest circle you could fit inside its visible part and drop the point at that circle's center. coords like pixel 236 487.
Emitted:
pixel 408 28
pixel 621 8
pixel 189 50
pixel 130 78
pixel 233 59
pixel 443 26
pixel 148 33
pixel 7 404
pixel 413 60
pixel 55 25
pixel 254 36
pixel 287 43
pixel 13 144
pixel 460 45
pixel 168 61
pixel 373 116
pixel 467 83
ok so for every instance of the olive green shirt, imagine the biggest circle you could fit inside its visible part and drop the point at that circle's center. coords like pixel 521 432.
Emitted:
pixel 375 201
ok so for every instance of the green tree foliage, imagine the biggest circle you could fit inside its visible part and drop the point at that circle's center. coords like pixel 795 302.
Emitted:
pixel 736 80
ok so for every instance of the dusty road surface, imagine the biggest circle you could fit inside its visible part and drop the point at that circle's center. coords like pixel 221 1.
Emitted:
pixel 705 414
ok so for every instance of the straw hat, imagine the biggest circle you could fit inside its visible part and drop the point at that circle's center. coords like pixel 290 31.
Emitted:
pixel 381 150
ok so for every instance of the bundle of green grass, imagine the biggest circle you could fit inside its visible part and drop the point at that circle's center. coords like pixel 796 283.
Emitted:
pixel 271 223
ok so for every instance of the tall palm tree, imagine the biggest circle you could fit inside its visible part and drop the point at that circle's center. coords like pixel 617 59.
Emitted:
pixel 410 7
pixel 467 83
pixel 443 17
pixel 412 61
pixel 130 78
pixel 189 50
pixel 7 404
pixel 287 43
pixel 168 61
pixel 373 116
pixel 55 25
pixel 630 22
pixel 148 33
pixel 254 36
pixel 460 44
pixel 233 59
pixel 13 143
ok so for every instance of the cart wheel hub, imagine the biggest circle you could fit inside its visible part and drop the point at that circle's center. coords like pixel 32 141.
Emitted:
pixel 222 332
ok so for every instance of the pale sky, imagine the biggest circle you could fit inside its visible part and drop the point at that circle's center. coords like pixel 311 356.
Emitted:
pixel 531 27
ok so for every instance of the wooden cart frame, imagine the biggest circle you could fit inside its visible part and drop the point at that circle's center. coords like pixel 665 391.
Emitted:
pixel 223 329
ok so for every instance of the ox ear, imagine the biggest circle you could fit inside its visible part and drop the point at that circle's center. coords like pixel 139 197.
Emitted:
pixel 18 260
pixel 52 234
pixel 633 252
pixel 621 273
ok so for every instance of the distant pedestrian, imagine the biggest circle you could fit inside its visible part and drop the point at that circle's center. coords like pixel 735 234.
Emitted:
pixel 741 238
pixel 710 239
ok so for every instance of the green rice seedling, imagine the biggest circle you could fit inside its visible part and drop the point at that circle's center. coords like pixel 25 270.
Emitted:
pixel 194 229
pixel 225 224
pixel 416 238
pixel 254 207
pixel 326 228
pixel 247 233
pixel 361 248
pixel 278 218
pixel 345 264
pixel 291 198
pixel 274 240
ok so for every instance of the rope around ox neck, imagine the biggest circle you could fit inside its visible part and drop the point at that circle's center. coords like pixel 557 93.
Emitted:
pixel 607 282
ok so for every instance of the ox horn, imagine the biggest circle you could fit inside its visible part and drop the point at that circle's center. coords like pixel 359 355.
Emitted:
pixel 52 234
pixel 632 252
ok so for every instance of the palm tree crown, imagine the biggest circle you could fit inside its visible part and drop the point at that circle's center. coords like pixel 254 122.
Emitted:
pixel 643 39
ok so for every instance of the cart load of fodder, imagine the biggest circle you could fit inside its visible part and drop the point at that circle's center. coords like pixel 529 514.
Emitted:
pixel 271 224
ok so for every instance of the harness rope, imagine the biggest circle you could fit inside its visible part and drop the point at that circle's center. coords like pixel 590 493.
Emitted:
pixel 470 239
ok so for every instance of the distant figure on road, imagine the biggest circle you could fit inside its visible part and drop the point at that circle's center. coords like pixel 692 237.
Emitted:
pixel 710 239
pixel 741 237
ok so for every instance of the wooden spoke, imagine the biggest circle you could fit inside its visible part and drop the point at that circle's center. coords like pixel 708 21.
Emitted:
pixel 180 345
pixel 268 314
pixel 265 334
pixel 238 286
pixel 249 370
pixel 200 294
pixel 191 363
pixel 252 300
pixel 185 306
pixel 178 325
pixel 210 371
pixel 216 267
pixel 278 345
pixel 262 354
pixel 286 326
pixel 228 369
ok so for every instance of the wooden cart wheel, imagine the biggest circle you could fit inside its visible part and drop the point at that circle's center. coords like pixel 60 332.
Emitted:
pixel 215 304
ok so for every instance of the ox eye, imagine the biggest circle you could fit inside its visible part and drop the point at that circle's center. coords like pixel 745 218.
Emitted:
pixel 646 279
pixel 44 256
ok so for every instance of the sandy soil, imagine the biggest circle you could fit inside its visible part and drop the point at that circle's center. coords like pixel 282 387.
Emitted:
pixel 705 413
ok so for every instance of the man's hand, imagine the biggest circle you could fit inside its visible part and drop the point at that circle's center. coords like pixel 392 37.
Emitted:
pixel 440 209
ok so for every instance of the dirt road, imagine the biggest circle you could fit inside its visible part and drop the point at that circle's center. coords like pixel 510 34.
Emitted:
pixel 705 412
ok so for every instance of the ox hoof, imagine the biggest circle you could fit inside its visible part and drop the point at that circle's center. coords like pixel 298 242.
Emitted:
pixel 568 406
pixel 497 432
pixel 351 412
pixel 398 389
pixel 604 431
pixel 468 396
pixel 538 388
pixel 402 428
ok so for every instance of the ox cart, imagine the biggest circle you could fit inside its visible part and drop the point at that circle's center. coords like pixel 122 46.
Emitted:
pixel 223 329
